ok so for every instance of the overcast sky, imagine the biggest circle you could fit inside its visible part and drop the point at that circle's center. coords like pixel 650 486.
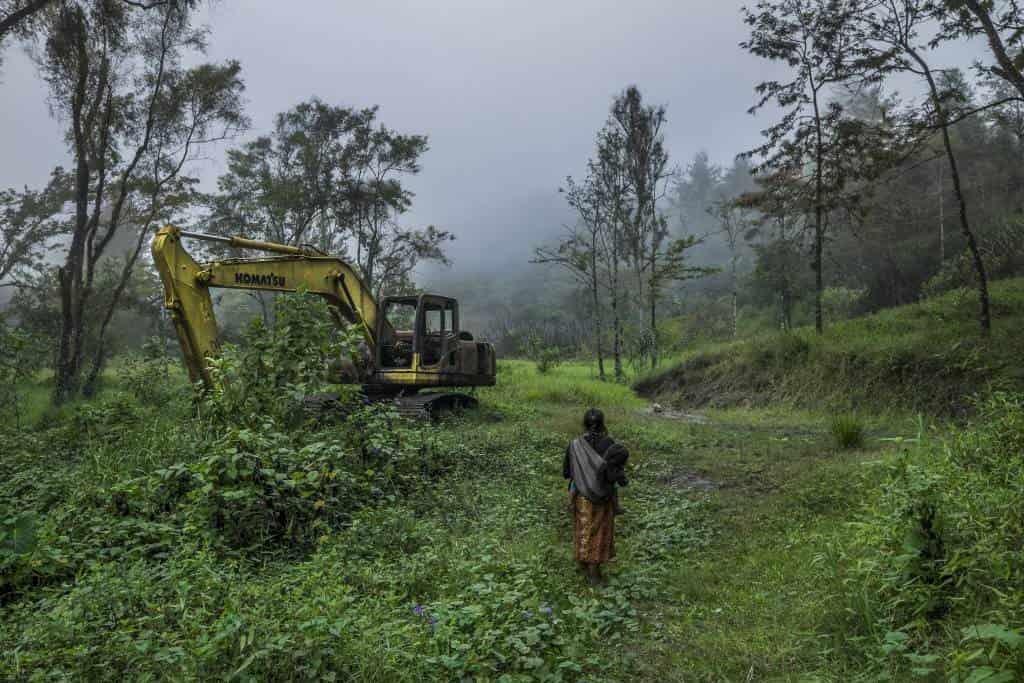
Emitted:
pixel 509 93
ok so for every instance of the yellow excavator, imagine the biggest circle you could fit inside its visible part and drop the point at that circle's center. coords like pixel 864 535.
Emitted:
pixel 411 342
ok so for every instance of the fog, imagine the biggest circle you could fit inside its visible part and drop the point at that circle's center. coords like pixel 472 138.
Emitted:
pixel 510 95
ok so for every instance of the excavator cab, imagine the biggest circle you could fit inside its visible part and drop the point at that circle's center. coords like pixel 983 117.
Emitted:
pixel 420 337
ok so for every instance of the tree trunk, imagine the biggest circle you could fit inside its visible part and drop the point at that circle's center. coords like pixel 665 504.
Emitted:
pixel 617 320
pixel 735 301
pixel 72 291
pixel 819 229
pixel 89 387
pixel 984 314
pixel 942 221
pixel 654 320
pixel 598 327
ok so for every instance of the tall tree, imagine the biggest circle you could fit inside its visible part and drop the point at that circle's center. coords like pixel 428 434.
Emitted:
pixel 735 223
pixel 578 251
pixel 612 191
pixel 135 116
pixel 814 38
pixel 331 177
pixel 656 257
pixel 1000 22
pixel 892 34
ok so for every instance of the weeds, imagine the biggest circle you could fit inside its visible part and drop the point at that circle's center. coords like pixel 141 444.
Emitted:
pixel 935 567
pixel 847 431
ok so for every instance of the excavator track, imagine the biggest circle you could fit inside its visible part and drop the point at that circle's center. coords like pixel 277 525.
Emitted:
pixel 427 406
pixel 431 406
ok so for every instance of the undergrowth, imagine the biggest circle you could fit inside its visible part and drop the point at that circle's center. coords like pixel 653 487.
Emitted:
pixel 153 534
pixel 931 580
pixel 928 357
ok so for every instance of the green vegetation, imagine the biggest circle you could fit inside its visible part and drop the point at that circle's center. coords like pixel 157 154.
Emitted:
pixel 926 356
pixel 145 536
pixel 847 431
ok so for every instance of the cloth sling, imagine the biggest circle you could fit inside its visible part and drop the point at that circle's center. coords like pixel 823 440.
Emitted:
pixel 586 464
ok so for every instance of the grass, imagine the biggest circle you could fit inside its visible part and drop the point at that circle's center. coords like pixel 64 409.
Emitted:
pixel 719 575
pixel 490 538
pixel 927 357
pixel 847 431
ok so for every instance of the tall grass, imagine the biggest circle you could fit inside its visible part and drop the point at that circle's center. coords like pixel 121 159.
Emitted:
pixel 574 383
pixel 929 356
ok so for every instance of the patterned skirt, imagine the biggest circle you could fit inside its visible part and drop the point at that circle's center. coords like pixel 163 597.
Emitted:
pixel 593 530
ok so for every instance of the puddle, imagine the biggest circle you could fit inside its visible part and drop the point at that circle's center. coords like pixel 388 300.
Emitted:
pixel 687 480
pixel 658 410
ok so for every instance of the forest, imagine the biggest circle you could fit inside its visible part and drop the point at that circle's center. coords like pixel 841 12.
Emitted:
pixel 807 332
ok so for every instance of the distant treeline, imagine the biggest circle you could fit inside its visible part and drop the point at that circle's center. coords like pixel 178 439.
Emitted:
pixel 859 198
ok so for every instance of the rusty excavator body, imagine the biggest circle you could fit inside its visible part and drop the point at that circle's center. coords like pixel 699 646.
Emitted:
pixel 413 344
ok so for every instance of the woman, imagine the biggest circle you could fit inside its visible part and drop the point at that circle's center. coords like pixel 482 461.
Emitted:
pixel 594 465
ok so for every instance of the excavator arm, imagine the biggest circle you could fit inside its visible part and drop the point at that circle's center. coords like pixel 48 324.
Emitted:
pixel 187 288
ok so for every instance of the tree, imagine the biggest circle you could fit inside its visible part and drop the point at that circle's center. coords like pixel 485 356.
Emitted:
pixel 28 19
pixel 578 253
pixel 814 38
pixel 656 257
pixel 20 16
pixel 779 219
pixel 29 227
pixel 891 29
pixel 999 21
pixel 696 192
pixel 735 224
pixel 611 185
pixel 330 177
pixel 135 117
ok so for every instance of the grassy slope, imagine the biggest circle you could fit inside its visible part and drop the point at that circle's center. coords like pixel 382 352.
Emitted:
pixel 927 356
pixel 709 585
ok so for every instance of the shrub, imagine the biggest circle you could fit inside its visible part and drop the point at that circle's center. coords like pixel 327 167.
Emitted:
pixel 842 303
pixel 547 358
pixel 269 375
pixel 21 356
pixel 847 431
pixel 933 577
pixel 147 375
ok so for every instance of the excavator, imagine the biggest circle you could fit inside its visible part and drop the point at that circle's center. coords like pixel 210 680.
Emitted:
pixel 411 343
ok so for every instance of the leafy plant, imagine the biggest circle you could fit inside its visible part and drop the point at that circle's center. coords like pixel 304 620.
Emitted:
pixel 21 356
pixel 847 431
pixel 546 358
pixel 939 547
pixel 276 367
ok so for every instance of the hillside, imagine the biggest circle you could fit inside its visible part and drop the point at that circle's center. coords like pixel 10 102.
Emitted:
pixel 927 356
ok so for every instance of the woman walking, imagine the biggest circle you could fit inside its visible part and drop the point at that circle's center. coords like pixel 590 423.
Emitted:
pixel 594 464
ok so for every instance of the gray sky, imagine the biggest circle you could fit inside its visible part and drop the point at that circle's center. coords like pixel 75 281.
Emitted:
pixel 510 94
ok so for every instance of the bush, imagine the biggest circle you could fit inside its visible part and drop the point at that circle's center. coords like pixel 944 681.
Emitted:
pixel 847 431
pixel 269 375
pixel 148 374
pixel 842 303
pixel 933 580
pixel 547 358
pixel 21 356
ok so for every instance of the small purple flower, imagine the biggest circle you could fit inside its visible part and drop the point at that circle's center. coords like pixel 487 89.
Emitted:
pixel 418 610
pixel 546 610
